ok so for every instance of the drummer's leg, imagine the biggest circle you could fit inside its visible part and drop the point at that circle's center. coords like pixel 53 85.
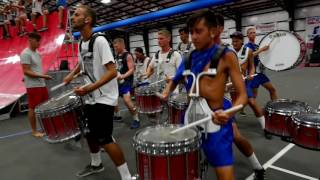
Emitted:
pixel 271 89
pixel 127 100
pixel 225 173
pixel 217 148
pixel 246 148
pixel 35 97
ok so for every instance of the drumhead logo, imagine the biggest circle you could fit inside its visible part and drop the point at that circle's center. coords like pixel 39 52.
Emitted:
pixel 278 34
pixel 280 64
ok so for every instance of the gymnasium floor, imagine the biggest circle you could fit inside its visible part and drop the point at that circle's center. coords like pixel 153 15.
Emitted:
pixel 23 157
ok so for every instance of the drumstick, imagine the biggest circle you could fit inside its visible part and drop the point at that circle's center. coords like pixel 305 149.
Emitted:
pixel 204 120
pixel 230 83
pixel 62 84
pixel 160 81
pixel 69 93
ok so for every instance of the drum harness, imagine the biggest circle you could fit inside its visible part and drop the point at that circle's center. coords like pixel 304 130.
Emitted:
pixel 89 55
pixel 196 99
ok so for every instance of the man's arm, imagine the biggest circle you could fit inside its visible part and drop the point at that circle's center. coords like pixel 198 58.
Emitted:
pixel 236 79
pixel 257 52
pixel 251 64
pixel 111 72
pixel 70 76
pixel 130 71
pixel 150 69
pixel 28 72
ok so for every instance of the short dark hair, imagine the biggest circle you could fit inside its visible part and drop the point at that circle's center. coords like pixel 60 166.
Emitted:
pixel 208 16
pixel 237 35
pixel 139 50
pixel 34 35
pixel 91 13
pixel 184 29
pixel 220 20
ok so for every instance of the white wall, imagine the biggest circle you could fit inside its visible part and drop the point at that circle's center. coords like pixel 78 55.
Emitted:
pixel 248 20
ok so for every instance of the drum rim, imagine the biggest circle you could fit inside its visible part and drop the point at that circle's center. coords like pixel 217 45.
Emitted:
pixel 179 147
pixel 299 57
pixel 269 109
pixel 297 119
pixel 47 113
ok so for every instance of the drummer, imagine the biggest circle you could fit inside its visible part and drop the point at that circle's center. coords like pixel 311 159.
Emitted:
pixel 141 64
pixel 185 46
pixel 166 61
pixel 240 141
pixel 125 68
pixel 217 146
pixel 101 69
pixel 261 78
pixel 34 79
pixel 245 58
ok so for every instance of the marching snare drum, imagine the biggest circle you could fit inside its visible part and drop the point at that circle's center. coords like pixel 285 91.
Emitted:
pixel 146 100
pixel 161 156
pixel 177 106
pixel 59 118
pixel 278 115
pixel 286 50
pixel 305 130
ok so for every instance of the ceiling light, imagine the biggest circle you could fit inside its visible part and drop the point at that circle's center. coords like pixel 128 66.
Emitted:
pixel 105 1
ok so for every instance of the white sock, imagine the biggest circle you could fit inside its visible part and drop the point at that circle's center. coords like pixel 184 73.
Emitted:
pixel 135 117
pixel 261 121
pixel 124 172
pixel 95 159
pixel 254 162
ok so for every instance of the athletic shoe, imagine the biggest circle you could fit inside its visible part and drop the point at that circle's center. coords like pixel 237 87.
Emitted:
pixel 117 119
pixel 135 124
pixel 89 169
pixel 259 174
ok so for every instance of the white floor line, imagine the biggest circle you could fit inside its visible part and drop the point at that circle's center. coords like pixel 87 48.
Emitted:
pixel 274 159
pixel 292 173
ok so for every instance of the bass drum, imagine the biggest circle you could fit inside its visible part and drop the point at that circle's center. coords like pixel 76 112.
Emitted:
pixel 286 51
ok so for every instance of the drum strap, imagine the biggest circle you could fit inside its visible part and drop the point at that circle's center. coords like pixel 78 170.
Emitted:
pixel 168 56
pixel 215 58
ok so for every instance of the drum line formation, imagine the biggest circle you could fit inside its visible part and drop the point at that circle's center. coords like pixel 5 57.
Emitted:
pixel 296 121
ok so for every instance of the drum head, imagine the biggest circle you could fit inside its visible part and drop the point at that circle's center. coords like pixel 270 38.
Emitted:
pixel 161 134
pixel 157 140
pixel 56 104
pixel 308 118
pixel 179 101
pixel 286 107
pixel 284 51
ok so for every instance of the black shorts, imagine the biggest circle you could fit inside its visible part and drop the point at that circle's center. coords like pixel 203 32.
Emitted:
pixel 100 122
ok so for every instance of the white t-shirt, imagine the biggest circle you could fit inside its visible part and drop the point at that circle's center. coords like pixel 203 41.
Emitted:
pixel 37 6
pixel 33 59
pixel 164 66
pixel 108 93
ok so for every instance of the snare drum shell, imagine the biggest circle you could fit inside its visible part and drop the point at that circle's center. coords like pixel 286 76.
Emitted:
pixel 278 118
pixel 59 118
pixel 277 124
pixel 305 133
pixel 61 127
pixel 161 156
pixel 178 167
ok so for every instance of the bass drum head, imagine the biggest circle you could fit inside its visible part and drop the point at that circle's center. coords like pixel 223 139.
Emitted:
pixel 284 51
